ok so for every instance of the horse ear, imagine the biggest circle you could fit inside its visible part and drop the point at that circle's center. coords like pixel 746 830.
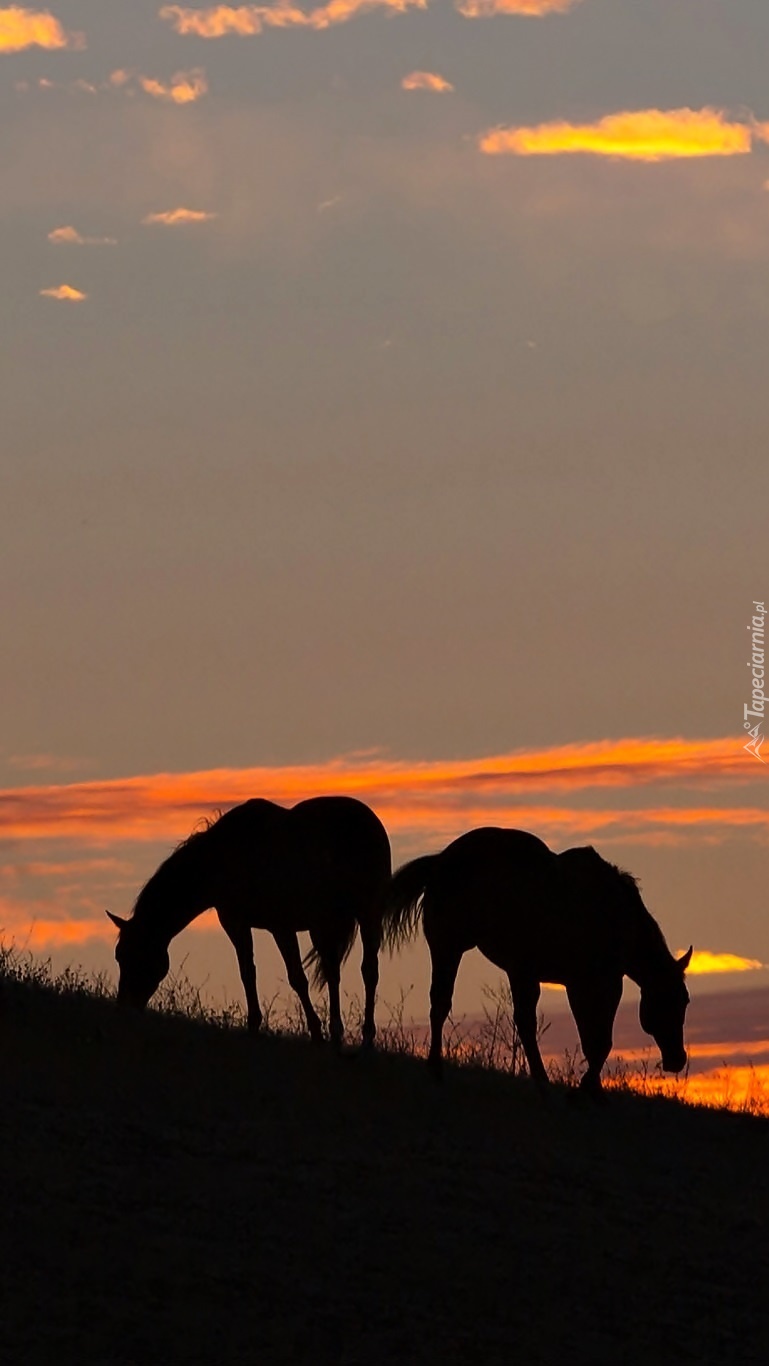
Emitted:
pixel 686 958
pixel 117 920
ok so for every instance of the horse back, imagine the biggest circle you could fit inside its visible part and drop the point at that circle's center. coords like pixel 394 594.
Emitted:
pixel 346 838
pixel 503 892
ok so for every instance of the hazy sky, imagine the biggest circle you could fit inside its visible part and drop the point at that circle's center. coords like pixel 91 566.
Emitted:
pixel 415 405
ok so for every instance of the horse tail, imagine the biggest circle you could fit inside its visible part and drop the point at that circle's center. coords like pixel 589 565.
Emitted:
pixel 403 902
pixel 313 964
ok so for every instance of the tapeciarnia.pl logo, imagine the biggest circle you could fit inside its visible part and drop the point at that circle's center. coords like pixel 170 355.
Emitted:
pixel 756 706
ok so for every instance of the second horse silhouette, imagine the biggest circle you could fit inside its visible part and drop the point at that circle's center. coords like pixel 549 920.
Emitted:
pixel 570 918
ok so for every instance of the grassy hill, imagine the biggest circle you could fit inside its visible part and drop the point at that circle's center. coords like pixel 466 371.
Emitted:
pixel 174 1192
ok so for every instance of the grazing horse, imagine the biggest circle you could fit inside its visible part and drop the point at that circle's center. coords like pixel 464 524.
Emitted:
pixel 323 866
pixel 570 918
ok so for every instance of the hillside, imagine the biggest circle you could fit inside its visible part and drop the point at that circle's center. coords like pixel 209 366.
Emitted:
pixel 177 1193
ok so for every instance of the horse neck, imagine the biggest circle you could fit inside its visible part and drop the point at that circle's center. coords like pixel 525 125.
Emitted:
pixel 647 952
pixel 166 907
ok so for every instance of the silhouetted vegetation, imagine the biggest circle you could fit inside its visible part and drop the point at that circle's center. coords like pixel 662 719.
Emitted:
pixel 177 1191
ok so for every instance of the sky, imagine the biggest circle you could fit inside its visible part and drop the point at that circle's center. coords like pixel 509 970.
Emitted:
pixel 384 411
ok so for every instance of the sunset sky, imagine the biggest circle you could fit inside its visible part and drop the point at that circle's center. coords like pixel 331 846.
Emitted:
pixel 384 408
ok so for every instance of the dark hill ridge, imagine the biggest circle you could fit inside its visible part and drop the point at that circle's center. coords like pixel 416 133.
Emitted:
pixel 174 1193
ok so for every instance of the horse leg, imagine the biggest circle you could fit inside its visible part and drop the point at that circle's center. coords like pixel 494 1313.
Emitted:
pixel 445 967
pixel 242 941
pixel 330 955
pixel 594 1006
pixel 288 945
pixel 371 936
pixel 525 996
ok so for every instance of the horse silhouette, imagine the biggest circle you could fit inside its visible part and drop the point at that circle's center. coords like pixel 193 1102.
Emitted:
pixel 569 918
pixel 323 866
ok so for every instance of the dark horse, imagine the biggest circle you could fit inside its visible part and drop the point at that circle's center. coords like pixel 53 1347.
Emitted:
pixel 321 866
pixel 570 918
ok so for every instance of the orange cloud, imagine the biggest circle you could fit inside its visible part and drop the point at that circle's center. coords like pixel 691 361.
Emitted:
pixel 174 218
pixel 64 292
pixel 426 80
pixel 437 798
pixel 71 236
pixel 641 135
pixel 220 21
pixel 184 87
pixel 50 934
pixel 533 9
pixel 21 28
pixel 69 868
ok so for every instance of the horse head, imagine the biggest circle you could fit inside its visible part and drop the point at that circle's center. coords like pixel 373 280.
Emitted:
pixel 663 1008
pixel 142 959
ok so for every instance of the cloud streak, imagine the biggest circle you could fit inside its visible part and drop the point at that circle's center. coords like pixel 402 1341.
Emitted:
pixel 246 21
pixel 640 135
pixel 427 80
pixel 69 236
pixel 64 293
pixel 22 28
pixel 178 218
pixel 531 9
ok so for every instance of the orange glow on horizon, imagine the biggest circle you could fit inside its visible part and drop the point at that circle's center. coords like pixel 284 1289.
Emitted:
pixel 640 135
pixel 735 1086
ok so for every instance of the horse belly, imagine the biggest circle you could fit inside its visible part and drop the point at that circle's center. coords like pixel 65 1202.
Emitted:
pixel 541 947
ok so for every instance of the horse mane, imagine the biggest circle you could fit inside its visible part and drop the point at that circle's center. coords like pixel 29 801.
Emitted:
pixel 645 927
pixel 177 870
pixel 179 878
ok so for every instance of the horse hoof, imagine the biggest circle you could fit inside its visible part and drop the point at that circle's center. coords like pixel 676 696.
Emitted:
pixel 586 1095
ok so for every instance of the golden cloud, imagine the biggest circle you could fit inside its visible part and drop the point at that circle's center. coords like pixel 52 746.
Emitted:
pixel 21 28
pixel 220 21
pixel 704 962
pixel 184 87
pixel 64 292
pixel 641 135
pixel 71 236
pixel 174 218
pixel 534 9
pixel 426 80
